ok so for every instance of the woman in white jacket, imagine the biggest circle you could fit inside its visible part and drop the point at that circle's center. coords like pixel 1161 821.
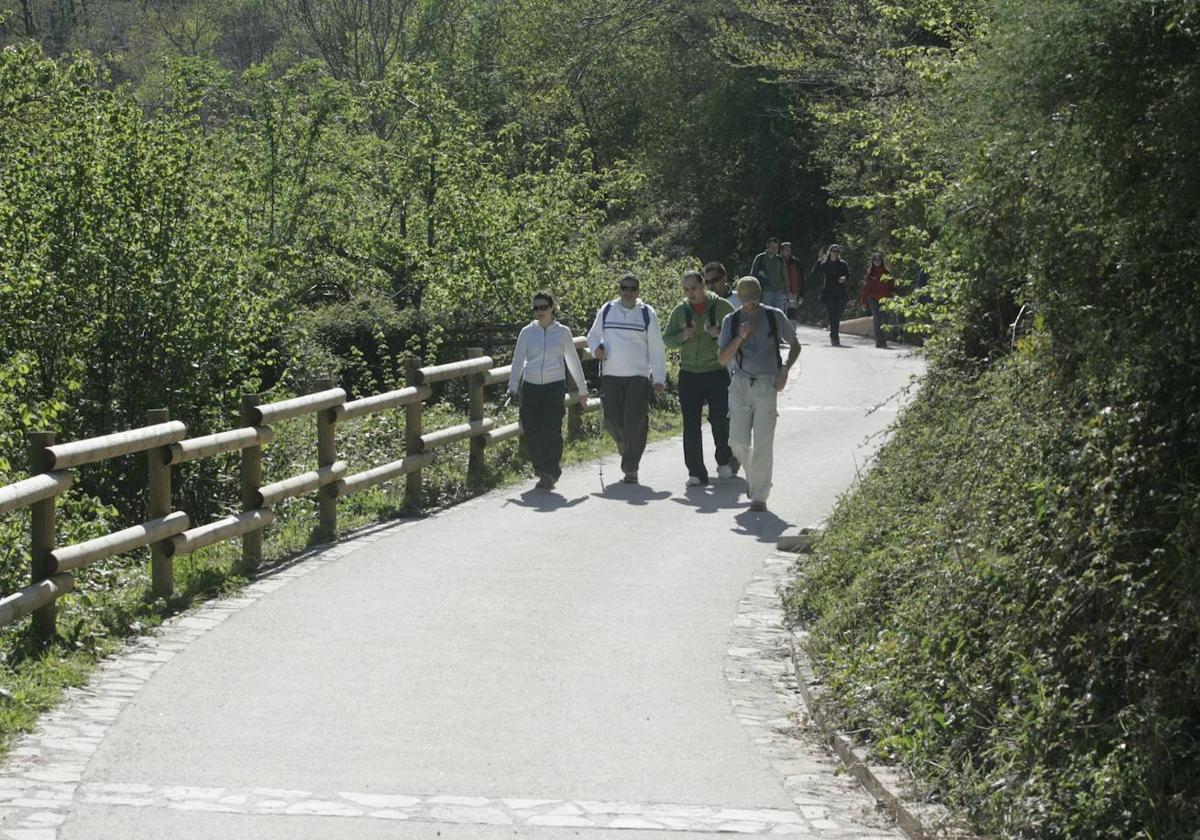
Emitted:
pixel 545 352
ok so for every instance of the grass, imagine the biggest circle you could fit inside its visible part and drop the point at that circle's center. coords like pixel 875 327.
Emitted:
pixel 112 601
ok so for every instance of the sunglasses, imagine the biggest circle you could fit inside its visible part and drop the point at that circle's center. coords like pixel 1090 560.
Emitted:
pixel 540 307
pixel 625 288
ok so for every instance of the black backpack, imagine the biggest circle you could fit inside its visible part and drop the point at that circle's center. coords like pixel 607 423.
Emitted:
pixel 772 332
pixel 712 314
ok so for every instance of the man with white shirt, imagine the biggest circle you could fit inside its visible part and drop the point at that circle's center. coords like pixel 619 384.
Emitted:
pixel 626 338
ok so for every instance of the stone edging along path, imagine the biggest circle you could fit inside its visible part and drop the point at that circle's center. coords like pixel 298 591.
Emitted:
pixel 41 780
pixel 895 792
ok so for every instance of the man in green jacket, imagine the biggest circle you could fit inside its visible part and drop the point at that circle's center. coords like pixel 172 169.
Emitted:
pixel 693 329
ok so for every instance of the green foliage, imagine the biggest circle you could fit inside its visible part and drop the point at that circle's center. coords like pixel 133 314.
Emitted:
pixel 1007 603
pixel 110 239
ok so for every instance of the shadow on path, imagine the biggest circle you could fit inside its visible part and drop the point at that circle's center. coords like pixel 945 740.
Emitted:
pixel 718 496
pixel 633 494
pixel 766 526
pixel 544 501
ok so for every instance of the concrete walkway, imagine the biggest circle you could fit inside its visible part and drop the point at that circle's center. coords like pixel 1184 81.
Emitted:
pixel 593 662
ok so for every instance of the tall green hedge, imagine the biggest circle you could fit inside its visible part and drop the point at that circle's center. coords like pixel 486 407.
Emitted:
pixel 1009 602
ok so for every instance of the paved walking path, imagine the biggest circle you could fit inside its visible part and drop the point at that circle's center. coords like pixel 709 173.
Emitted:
pixel 594 662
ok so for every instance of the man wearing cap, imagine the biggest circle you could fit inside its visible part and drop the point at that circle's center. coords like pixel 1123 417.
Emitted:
pixel 835 276
pixel 627 340
pixel 749 345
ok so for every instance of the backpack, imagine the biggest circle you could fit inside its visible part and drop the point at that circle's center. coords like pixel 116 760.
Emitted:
pixel 609 305
pixel 772 332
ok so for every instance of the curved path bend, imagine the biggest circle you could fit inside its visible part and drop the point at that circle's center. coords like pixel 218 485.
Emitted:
pixel 594 663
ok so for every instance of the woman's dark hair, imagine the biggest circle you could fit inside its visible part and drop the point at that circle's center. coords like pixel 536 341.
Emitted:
pixel 546 296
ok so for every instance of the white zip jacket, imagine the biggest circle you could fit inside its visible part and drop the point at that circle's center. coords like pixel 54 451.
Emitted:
pixel 544 356
pixel 632 346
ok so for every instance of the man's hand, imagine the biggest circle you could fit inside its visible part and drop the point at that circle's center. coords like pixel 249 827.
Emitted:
pixel 781 378
pixel 714 331
pixel 600 353
pixel 744 330
pixel 659 388
pixel 688 332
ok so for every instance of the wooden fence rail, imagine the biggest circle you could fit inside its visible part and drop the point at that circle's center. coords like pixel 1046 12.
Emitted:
pixel 171 533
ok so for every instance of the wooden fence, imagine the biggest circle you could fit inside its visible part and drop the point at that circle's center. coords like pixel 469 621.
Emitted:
pixel 171 533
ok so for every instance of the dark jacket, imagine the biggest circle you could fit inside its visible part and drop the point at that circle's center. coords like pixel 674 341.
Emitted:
pixel 834 276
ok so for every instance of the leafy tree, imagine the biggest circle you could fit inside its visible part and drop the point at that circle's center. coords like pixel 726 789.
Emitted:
pixel 112 240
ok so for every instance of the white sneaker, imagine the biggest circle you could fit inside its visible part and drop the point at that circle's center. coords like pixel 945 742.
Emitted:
pixel 693 481
pixel 724 471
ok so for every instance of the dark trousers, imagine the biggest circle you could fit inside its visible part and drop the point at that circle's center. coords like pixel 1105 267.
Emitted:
pixel 696 389
pixel 835 307
pixel 880 320
pixel 542 412
pixel 627 416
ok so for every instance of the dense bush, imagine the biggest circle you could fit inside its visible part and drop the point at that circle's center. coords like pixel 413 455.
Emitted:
pixel 1008 602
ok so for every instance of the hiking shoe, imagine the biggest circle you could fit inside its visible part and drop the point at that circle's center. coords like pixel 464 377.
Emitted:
pixel 725 471
pixel 630 478
pixel 695 481
pixel 546 482
pixel 758 507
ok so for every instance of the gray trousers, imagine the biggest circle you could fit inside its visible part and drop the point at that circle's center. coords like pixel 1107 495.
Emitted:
pixel 752 415
pixel 627 416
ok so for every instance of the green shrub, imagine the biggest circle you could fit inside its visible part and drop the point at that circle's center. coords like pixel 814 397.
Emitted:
pixel 1008 604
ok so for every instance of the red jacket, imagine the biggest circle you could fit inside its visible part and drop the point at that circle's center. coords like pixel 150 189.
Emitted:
pixel 875 287
pixel 795 285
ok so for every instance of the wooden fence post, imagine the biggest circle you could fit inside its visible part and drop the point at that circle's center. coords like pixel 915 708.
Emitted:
pixel 326 455
pixel 42 536
pixel 475 414
pixel 412 436
pixel 158 504
pixel 251 481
